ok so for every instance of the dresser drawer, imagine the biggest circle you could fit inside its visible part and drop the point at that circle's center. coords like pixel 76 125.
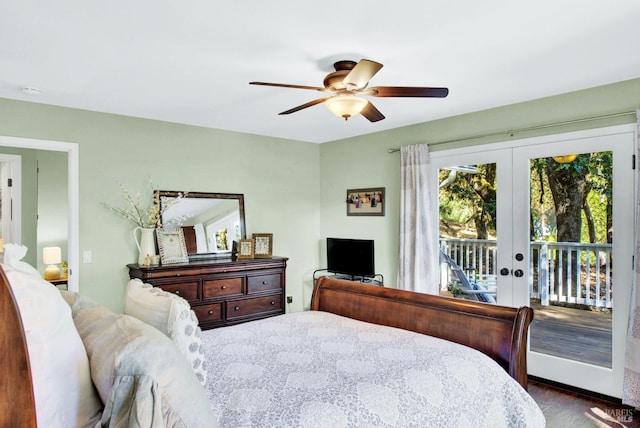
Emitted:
pixel 258 283
pixel 207 313
pixel 212 288
pixel 240 308
pixel 188 290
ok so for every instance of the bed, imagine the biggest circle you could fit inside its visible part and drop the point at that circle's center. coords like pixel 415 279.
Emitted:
pixel 302 369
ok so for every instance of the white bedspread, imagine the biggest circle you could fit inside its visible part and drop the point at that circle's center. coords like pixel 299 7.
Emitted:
pixel 315 369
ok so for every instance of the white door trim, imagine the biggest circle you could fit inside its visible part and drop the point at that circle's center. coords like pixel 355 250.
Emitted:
pixel 14 210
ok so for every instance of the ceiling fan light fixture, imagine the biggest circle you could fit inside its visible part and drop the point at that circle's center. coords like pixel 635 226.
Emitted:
pixel 346 105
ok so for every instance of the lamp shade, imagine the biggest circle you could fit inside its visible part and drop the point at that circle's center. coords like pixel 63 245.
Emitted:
pixel 345 105
pixel 51 255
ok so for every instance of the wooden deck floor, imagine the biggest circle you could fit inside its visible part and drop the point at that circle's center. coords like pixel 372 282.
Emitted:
pixel 580 335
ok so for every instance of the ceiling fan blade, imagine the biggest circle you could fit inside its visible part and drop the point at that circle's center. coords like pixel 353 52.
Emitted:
pixel 371 113
pixel 285 85
pixel 360 75
pixel 303 106
pixel 406 91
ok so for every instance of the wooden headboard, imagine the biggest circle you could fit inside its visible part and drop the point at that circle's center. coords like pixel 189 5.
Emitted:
pixel 17 405
pixel 498 331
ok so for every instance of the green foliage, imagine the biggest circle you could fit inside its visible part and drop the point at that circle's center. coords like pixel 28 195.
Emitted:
pixel 454 288
pixel 598 205
pixel 455 210
pixel 472 196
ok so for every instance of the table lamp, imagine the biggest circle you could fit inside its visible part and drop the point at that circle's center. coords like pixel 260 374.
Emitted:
pixel 52 256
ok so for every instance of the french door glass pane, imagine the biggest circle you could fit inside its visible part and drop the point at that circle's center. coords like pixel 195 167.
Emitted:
pixel 571 266
pixel 467 210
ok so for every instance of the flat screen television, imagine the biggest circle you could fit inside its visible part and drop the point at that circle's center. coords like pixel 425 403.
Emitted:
pixel 354 257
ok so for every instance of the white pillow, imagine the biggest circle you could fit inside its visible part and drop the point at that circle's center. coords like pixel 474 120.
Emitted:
pixel 141 376
pixel 172 315
pixel 62 387
pixel 13 254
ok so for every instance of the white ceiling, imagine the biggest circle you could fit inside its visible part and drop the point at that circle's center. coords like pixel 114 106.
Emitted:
pixel 190 61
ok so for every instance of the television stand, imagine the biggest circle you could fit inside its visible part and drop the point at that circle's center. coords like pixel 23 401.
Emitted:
pixel 377 279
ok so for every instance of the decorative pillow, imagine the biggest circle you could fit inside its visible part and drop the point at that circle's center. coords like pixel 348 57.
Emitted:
pixel 172 315
pixel 62 387
pixel 141 376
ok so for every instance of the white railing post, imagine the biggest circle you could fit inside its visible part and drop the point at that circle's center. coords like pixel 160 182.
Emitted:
pixel 543 274
pixel 608 279
pixel 587 281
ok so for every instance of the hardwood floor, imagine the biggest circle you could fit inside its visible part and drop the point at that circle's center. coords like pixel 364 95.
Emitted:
pixel 569 409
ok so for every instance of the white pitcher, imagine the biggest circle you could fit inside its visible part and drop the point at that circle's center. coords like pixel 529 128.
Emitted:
pixel 146 245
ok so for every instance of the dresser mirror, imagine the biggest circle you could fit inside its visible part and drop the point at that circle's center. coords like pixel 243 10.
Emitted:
pixel 213 223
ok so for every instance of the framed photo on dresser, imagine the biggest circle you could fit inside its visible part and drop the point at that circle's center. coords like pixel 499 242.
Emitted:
pixel 172 246
pixel 262 244
pixel 245 249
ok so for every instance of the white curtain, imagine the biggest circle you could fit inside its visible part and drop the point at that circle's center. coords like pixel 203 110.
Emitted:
pixel 418 261
pixel 631 384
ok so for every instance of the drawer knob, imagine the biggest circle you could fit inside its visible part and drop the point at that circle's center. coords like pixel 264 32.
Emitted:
pixel 237 308
pixel 177 274
pixel 224 287
pixel 210 312
pixel 177 292
pixel 273 303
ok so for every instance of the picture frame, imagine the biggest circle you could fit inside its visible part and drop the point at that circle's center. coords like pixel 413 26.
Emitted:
pixel 245 249
pixel 366 202
pixel 172 246
pixel 262 245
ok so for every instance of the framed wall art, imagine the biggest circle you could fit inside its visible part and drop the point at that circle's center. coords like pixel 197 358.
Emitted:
pixel 365 201
pixel 245 249
pixel 262 244
pixel 172 246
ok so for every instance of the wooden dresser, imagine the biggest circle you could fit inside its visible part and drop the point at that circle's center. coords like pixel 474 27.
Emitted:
pixel 225 291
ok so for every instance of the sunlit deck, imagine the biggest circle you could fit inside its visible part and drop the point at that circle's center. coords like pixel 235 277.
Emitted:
pixel 580 335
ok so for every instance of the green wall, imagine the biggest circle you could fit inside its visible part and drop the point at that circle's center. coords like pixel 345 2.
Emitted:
pixel 53 202
pixel 365 162
pixel 281 179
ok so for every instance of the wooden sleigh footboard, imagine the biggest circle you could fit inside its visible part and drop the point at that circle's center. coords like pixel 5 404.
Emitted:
pixel 498 331
pixel 17 404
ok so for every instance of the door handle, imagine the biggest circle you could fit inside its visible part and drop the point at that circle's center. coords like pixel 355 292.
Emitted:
pixel 504 271
pixel 518 273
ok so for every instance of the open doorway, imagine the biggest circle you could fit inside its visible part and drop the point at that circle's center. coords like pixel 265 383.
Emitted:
pixel 71 196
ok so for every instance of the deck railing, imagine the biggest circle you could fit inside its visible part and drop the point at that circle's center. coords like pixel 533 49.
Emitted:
pixel 559 272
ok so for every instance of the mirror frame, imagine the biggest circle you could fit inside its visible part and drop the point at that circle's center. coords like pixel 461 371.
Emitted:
pixel 158 194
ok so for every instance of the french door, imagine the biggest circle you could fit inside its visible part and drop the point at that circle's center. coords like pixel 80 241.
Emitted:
pixel 548 223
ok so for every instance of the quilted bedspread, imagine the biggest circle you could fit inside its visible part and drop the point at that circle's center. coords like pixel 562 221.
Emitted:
pixel 315 369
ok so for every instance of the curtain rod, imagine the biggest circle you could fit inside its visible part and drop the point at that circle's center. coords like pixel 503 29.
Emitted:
pixel 510 132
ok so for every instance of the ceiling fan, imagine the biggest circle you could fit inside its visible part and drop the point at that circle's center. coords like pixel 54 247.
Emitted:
pixel 348 82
